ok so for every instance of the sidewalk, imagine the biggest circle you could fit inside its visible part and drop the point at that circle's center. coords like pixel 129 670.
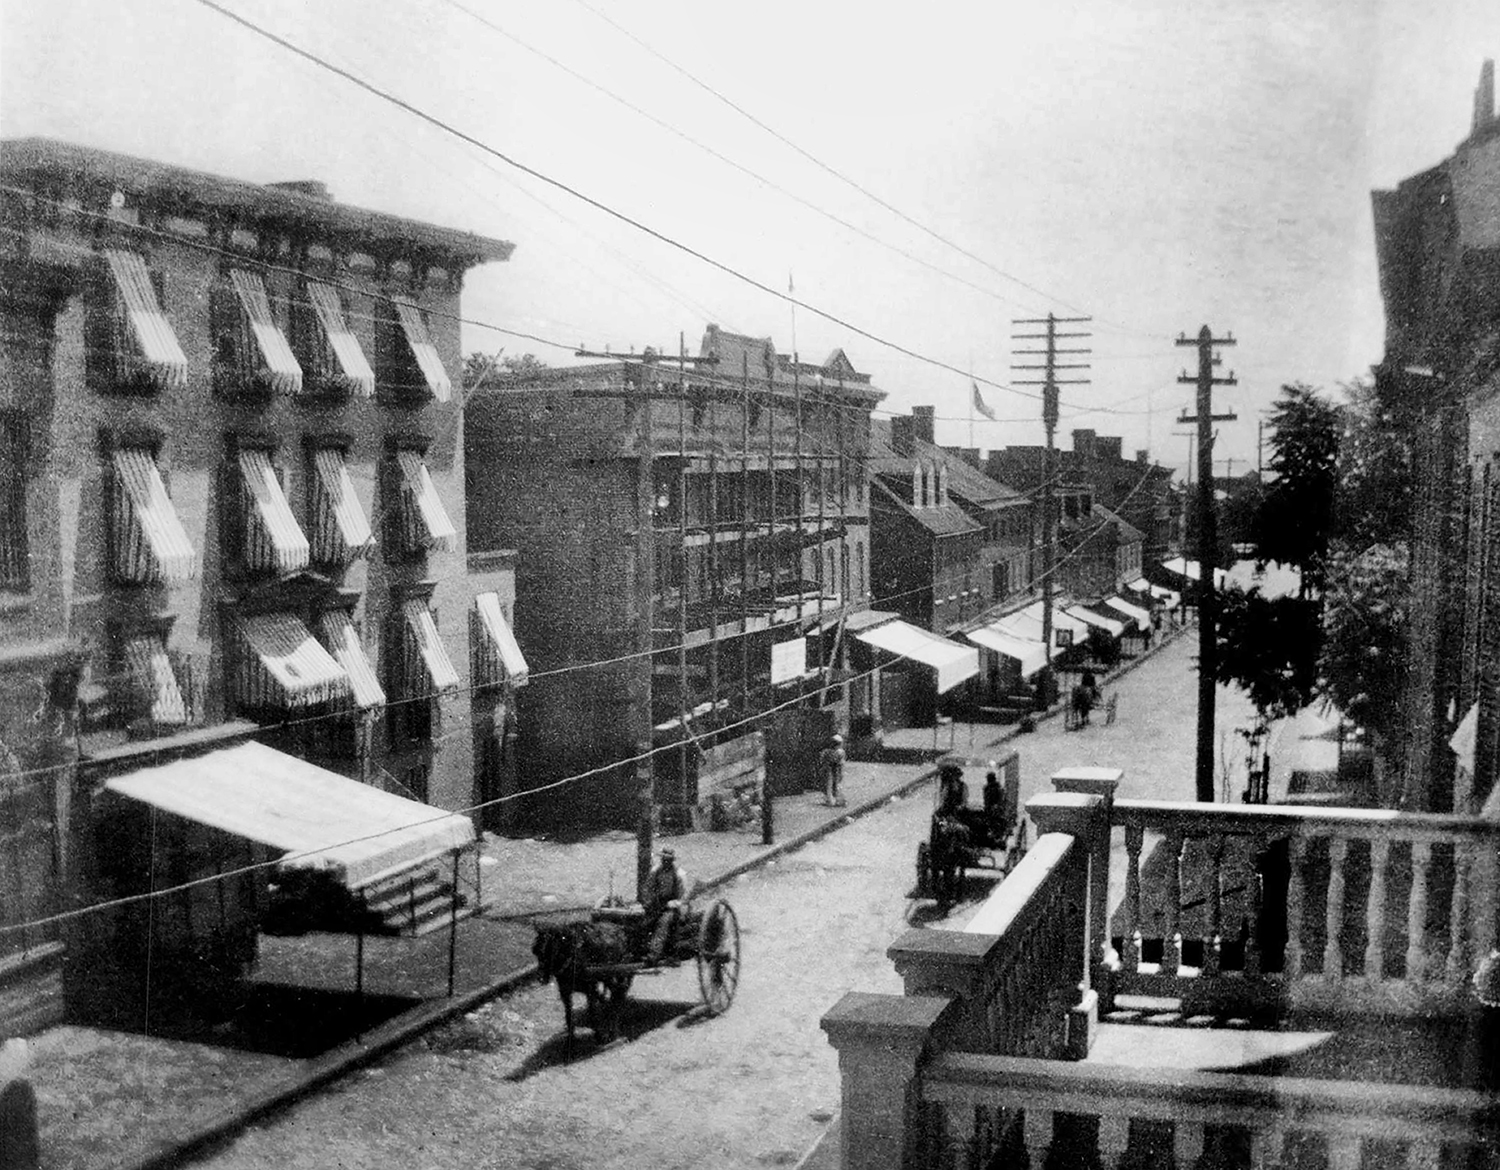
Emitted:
pixel 111 1098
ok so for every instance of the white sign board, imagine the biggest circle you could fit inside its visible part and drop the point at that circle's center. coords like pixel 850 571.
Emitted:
pixel 788 660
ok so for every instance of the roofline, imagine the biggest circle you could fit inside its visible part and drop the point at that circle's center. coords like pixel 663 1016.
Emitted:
pixel 260 203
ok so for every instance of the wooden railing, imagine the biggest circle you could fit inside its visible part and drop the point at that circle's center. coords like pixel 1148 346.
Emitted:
pixel 1224 908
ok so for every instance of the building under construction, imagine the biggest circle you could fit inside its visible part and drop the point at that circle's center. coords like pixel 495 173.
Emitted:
pixel 694 533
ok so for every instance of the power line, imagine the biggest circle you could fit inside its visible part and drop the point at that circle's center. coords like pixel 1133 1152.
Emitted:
pixel 812 158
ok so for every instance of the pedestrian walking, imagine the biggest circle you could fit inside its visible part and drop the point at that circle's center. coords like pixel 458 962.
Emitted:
pixel 831 763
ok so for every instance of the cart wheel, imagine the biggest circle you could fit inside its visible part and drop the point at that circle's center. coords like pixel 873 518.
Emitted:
pixel 924 869
pixel 718 957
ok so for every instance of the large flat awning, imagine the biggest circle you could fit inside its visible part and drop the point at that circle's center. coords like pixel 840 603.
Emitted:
pixel 1193 571
pixel 1031 655
pixel 321 820
pixel 1027 623
pixel 1088 617
pixel 1141 617
pixel 953 661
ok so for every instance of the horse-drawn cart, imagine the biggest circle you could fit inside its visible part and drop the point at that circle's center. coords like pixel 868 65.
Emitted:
pixel 966 834
pixel 601 957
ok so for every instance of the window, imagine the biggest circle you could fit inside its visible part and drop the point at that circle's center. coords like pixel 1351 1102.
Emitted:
pixel 325 347
pixel 421 670
pixel 418 522
pixel 153 696
pixel 859 568
pixel 341 531
pixel 1001 581
pixel 268 536
pixel 147 543
pixel 340 637
pixel 131 345
pixel 282 668
pixel 495 654
pixel 250 352
pixel 409 364
pixel 15 545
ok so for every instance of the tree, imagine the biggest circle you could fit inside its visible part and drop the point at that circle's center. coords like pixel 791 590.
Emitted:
pixel 1295 521
pixel 487 369
pixel 1363 660
pixel 1268 647
pixel 1375 478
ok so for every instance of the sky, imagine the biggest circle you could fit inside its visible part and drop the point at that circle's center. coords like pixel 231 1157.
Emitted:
pixel 1155 165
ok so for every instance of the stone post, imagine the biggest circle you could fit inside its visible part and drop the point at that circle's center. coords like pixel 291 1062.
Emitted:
pixel 882 1041
pixel 1078 816
pixel 1103 783
pixel 950 963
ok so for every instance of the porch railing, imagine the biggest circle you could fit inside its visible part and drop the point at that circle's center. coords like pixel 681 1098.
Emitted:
pixel 1227 909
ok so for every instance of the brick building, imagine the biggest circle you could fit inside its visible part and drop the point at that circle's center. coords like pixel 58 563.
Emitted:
pixel 233 474
pixel 1437 240
pixel 691 541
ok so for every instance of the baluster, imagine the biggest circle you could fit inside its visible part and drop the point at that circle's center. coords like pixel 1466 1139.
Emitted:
pixel 1424 1154
pixel 1380 852
pixel 1333 918
pixel 1187 1142
pixel 1131 960
pixel 1344 1152
pixel 1036 1138
pixel 1257 908
pixel 1416 914
pixel 1458 921
pixel 1265 1147
pixel 958 1134
pixel 1114 1137
pixel 1214 941
pixel 1296 847
pixel 1171 949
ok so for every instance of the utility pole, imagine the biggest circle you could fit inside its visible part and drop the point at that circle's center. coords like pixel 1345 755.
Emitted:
pixel 1049 382
pixel 1208 602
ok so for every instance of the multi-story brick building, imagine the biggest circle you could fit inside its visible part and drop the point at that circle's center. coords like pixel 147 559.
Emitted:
pixel 233 479
pixel 691 538
pixel 1437 240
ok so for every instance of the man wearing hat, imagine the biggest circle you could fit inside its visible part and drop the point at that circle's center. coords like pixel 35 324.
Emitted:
pixel 665 891
pixel 831 762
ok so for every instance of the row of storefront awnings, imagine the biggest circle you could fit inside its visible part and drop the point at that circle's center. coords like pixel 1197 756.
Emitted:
pixel 151 544
pixel 1018 636
pixel 162 355
pixel 953 661
pixel 1169 598
pixel 323 822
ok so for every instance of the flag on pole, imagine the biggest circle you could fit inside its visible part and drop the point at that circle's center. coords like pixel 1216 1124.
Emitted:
pixel 979 403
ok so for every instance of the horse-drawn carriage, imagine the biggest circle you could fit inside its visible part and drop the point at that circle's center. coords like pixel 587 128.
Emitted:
pixel 601 956
pixel 964 834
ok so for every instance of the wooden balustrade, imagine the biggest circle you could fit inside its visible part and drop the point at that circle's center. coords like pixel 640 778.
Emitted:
pixel 1350 910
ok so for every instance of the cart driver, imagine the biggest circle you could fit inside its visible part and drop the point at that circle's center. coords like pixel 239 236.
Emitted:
pixel 955 793
pixel 994 800
pixel 662 897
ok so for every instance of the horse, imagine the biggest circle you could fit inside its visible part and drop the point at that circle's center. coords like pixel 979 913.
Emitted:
pixel 567 951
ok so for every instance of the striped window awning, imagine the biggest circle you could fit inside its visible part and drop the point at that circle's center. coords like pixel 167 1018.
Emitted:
pixel 424 520
pixel 338 634
pixel 149 542
pixel 155 682
pixel 282 370
pixel 497 654
pixel 341 531
pixel 353 368
pixel 158 346
pixel 287 668
pixel 273 538
pixel 422 349
pixel 429 670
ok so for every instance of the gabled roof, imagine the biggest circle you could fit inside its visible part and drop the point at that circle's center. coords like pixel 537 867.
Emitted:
pixel 964 479
pixel 942 520
pixel 1129 533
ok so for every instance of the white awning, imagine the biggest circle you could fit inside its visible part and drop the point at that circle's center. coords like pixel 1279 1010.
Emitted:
pixel 1169 597
pixel 156 683
pixel 498 656
pixel 954 662
pixel 1139 585
pixel 415 327
pixel 281 366
pixel 429 670
pixel 1032 656
pixel 287 667
pixel 323 821
pixel 1141 617
pixel 353 368
pixel 1027 623
pixel 341 639
pixel 150 543
pixel 424 520
pixel 1192 571
pixel 1097 620
pixel 341 530
pixel 156 343
pixel 273 538
pixel 1466 739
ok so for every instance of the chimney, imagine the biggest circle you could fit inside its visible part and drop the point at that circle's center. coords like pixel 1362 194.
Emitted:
pixel 922 419
pixel 1083 444
pixel 901 435
pixel 312 188
pixel 1484 99
pixel 1143 456
pixel 1108 447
